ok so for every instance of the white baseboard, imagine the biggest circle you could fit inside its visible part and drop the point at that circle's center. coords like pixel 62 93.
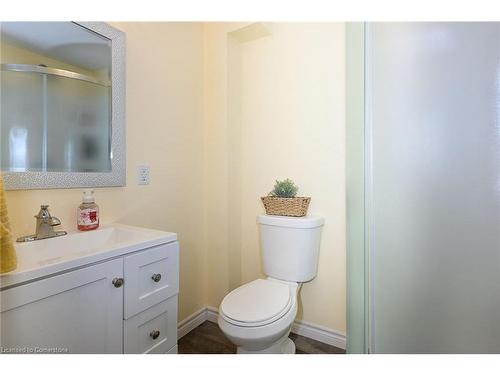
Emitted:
pixel 306 329
pixel 320 333
pixel 191 322
pixel 212 313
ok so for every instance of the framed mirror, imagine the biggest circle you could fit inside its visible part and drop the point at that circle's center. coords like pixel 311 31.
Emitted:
pixel 62 107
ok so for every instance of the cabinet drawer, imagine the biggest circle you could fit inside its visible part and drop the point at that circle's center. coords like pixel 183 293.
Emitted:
pixel 153 330
pixel 151 276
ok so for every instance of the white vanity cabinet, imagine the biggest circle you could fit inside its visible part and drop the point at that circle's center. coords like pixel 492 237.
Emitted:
pixel 150 300
pixel 78 311
pixel 126 304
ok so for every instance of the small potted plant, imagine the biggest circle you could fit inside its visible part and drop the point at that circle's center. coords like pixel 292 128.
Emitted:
pixel 282 200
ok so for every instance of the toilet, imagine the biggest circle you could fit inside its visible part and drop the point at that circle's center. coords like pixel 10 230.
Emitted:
pixel 257 317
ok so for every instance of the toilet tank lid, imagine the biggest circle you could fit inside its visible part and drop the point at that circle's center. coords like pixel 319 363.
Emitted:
pixel 291 222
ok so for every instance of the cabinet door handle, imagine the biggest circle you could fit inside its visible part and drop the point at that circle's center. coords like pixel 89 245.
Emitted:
pixel 156 277
pixel 154 334
pixel 117 282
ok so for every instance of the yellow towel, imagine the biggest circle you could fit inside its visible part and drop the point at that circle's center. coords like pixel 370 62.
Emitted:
pixel 8 259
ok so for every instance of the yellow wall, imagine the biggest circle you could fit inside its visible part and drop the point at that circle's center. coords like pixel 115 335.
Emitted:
pixel 218 117
pixel 275 109
pixel 165 131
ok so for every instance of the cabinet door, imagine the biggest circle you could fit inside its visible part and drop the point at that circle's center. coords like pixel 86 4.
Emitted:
pixel 151 276
pixel 76 312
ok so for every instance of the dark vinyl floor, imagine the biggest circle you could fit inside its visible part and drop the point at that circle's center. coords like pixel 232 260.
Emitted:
pixel 209 339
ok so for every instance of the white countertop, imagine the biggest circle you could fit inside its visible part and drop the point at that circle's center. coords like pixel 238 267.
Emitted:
pixel 38 259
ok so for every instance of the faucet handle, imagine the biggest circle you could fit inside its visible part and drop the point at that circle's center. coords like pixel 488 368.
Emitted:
pixel 44 212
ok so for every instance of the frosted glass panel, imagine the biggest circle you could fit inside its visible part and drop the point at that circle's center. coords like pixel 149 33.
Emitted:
pixel 54 124
pixel 78 120
pixel 434 103
pixel 21 123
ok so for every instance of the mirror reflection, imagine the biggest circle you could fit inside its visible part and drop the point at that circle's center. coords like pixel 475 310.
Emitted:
pixel 55 98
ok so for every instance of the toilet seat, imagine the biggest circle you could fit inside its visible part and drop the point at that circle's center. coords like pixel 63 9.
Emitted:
pixel 258 303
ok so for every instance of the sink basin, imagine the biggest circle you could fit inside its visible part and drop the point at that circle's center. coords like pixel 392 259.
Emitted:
pixel 44 257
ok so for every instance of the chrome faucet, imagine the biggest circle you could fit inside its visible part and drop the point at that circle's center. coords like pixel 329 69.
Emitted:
pixel 45 224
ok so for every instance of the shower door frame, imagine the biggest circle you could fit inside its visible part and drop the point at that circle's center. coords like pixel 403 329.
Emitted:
pixel 358 192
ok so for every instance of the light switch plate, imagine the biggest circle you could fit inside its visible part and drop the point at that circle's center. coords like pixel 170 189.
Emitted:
pixel 143 175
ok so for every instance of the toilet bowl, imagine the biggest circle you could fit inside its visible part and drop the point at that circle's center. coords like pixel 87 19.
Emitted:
pixel 257 317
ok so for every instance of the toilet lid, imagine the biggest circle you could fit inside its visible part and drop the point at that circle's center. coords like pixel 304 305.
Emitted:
pixel 258 301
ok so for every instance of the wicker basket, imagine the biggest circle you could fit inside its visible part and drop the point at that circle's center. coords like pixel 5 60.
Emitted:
pixel 286 206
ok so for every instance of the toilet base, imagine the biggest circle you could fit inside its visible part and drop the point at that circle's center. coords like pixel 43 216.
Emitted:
pixel 283 346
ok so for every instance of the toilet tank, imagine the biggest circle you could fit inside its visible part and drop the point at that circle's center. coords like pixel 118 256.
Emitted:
pixel 290 246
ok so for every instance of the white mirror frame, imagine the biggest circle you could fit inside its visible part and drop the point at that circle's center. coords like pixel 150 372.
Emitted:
pixel 117 176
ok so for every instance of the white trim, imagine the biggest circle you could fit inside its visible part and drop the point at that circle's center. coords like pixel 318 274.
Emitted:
pixel 212 314
pixel 306 329
pixel 320 333
pixel 191 322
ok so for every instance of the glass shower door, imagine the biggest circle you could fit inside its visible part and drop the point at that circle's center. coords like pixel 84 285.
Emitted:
pixel 21 122
pixel 78 118
pixel 53 123
pixel 433 186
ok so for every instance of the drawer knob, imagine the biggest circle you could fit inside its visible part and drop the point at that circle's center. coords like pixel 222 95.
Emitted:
pixel 117 282
pixel 156 277
pixel 154 334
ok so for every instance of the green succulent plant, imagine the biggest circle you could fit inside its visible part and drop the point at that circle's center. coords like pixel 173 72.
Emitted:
pixel 284 189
